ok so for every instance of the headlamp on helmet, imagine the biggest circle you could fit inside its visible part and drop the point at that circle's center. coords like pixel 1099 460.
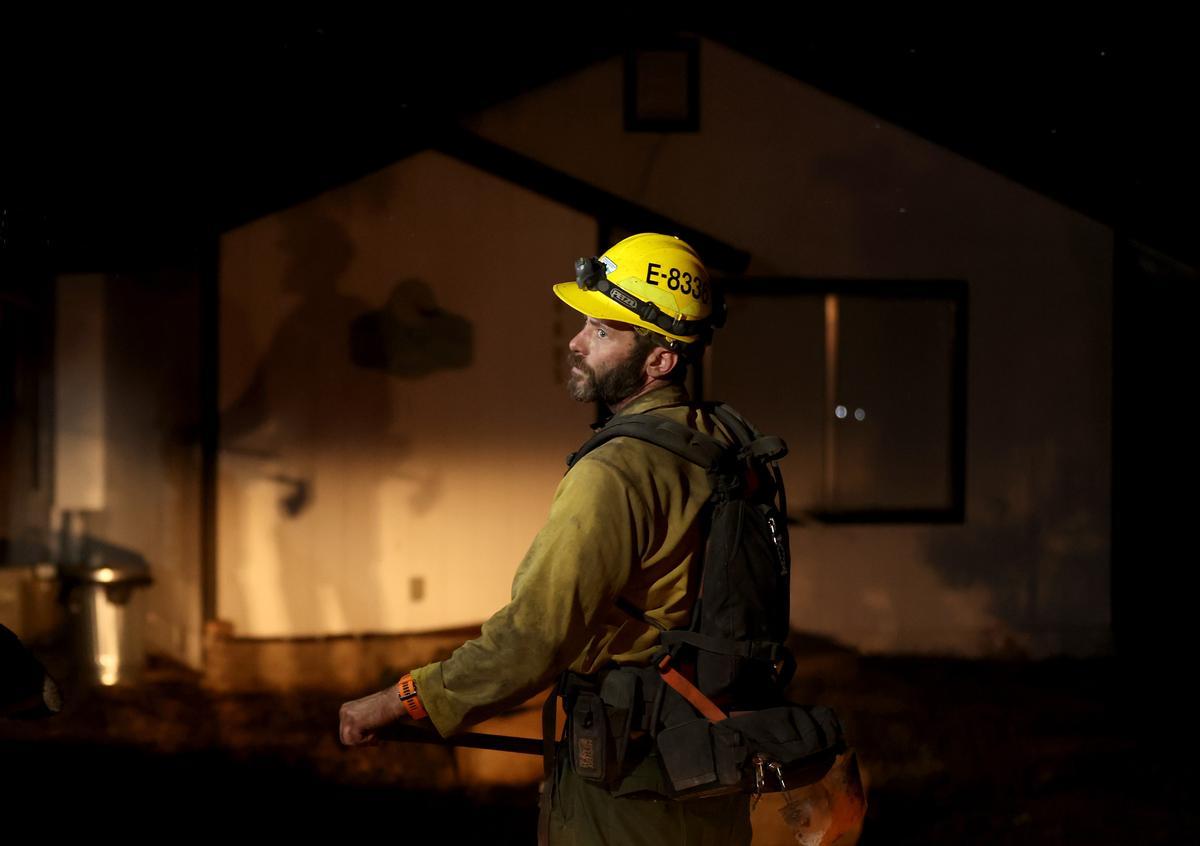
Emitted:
pixel 657 283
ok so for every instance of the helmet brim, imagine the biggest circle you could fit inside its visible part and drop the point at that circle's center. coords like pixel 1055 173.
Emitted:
pixel 594 304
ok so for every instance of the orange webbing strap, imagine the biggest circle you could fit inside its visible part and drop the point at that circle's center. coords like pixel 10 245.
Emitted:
pixel 689 691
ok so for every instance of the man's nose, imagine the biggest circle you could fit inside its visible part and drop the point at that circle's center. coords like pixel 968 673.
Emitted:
pixel 577 343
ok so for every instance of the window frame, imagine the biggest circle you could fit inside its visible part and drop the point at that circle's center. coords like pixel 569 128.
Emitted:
pixel 690 122
pixel 955 292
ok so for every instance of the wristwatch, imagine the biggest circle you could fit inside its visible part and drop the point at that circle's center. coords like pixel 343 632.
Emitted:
pixel 408 696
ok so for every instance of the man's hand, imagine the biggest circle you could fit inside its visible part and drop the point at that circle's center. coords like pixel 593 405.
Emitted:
pixel 361 718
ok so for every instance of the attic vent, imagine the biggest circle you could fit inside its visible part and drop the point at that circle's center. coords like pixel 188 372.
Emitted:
pixel 662 87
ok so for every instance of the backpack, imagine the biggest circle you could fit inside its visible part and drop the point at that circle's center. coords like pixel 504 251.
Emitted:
pixel 712 699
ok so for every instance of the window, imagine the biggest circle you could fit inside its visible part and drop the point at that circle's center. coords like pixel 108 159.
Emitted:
pixel 662 87
pixel 866 383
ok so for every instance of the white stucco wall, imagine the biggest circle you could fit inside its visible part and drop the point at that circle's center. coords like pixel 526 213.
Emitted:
pixel 424 491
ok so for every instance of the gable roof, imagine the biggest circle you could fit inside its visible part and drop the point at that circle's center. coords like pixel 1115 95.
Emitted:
pixel 137 147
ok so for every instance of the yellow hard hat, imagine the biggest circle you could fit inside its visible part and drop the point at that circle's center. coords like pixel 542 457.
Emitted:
pixel 653 281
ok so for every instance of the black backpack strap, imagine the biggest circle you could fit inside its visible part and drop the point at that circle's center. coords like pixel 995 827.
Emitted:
pixel 549 761
pixel 685 442
pixel 751 442
pixel 739 427
pixel 763 650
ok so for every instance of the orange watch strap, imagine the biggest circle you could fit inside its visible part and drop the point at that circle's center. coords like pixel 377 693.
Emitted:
pixel 408 695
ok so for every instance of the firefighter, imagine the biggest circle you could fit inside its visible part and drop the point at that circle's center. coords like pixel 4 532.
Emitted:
pixel 611 567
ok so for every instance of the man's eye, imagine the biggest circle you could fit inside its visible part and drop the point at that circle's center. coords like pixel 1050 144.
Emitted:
pixel 601 333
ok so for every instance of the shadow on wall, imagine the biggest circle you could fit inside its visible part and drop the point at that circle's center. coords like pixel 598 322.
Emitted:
pixel 321 422
pixel 1040 548
pixel 411 336
pixel 314 386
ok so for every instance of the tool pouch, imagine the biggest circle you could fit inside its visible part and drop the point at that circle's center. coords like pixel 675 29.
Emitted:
pixel 703 758
pixel 589 737
pixel 686 752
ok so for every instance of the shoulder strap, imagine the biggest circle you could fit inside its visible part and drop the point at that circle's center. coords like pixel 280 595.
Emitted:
pixel 750 440
pixel 739 428
pixel 683 441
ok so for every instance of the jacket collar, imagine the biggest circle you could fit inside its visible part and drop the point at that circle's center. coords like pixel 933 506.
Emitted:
pixel 658 398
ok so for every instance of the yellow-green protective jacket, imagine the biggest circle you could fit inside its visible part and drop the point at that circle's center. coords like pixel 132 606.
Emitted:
pixel 625 522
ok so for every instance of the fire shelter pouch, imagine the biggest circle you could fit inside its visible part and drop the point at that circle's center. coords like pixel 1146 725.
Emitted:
pixel 751 751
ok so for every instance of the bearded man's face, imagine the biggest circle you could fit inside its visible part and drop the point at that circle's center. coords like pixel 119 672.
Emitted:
pixel 607 363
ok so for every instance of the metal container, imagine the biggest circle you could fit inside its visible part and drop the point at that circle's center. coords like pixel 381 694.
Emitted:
pixel 108 615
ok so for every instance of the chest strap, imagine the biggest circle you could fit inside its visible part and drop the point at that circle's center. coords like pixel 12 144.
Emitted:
pixel 761 650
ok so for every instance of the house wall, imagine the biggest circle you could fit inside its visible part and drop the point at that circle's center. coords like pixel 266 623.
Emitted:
pixel 394 488
pixel 814 187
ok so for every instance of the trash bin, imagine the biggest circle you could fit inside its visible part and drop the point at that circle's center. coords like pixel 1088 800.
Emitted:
pixel 108 616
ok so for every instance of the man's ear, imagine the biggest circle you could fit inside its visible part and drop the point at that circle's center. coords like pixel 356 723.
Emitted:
pixel 660 362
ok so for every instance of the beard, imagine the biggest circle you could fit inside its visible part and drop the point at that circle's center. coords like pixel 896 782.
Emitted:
pixel 620 381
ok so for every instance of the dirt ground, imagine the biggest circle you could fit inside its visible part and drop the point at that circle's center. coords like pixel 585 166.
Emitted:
pixel 955 751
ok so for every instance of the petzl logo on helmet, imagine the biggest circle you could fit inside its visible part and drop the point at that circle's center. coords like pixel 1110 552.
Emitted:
pixel 609 264
pixel 623 298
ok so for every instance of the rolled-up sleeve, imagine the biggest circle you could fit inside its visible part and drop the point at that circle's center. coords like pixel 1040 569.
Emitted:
pixel 577 565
